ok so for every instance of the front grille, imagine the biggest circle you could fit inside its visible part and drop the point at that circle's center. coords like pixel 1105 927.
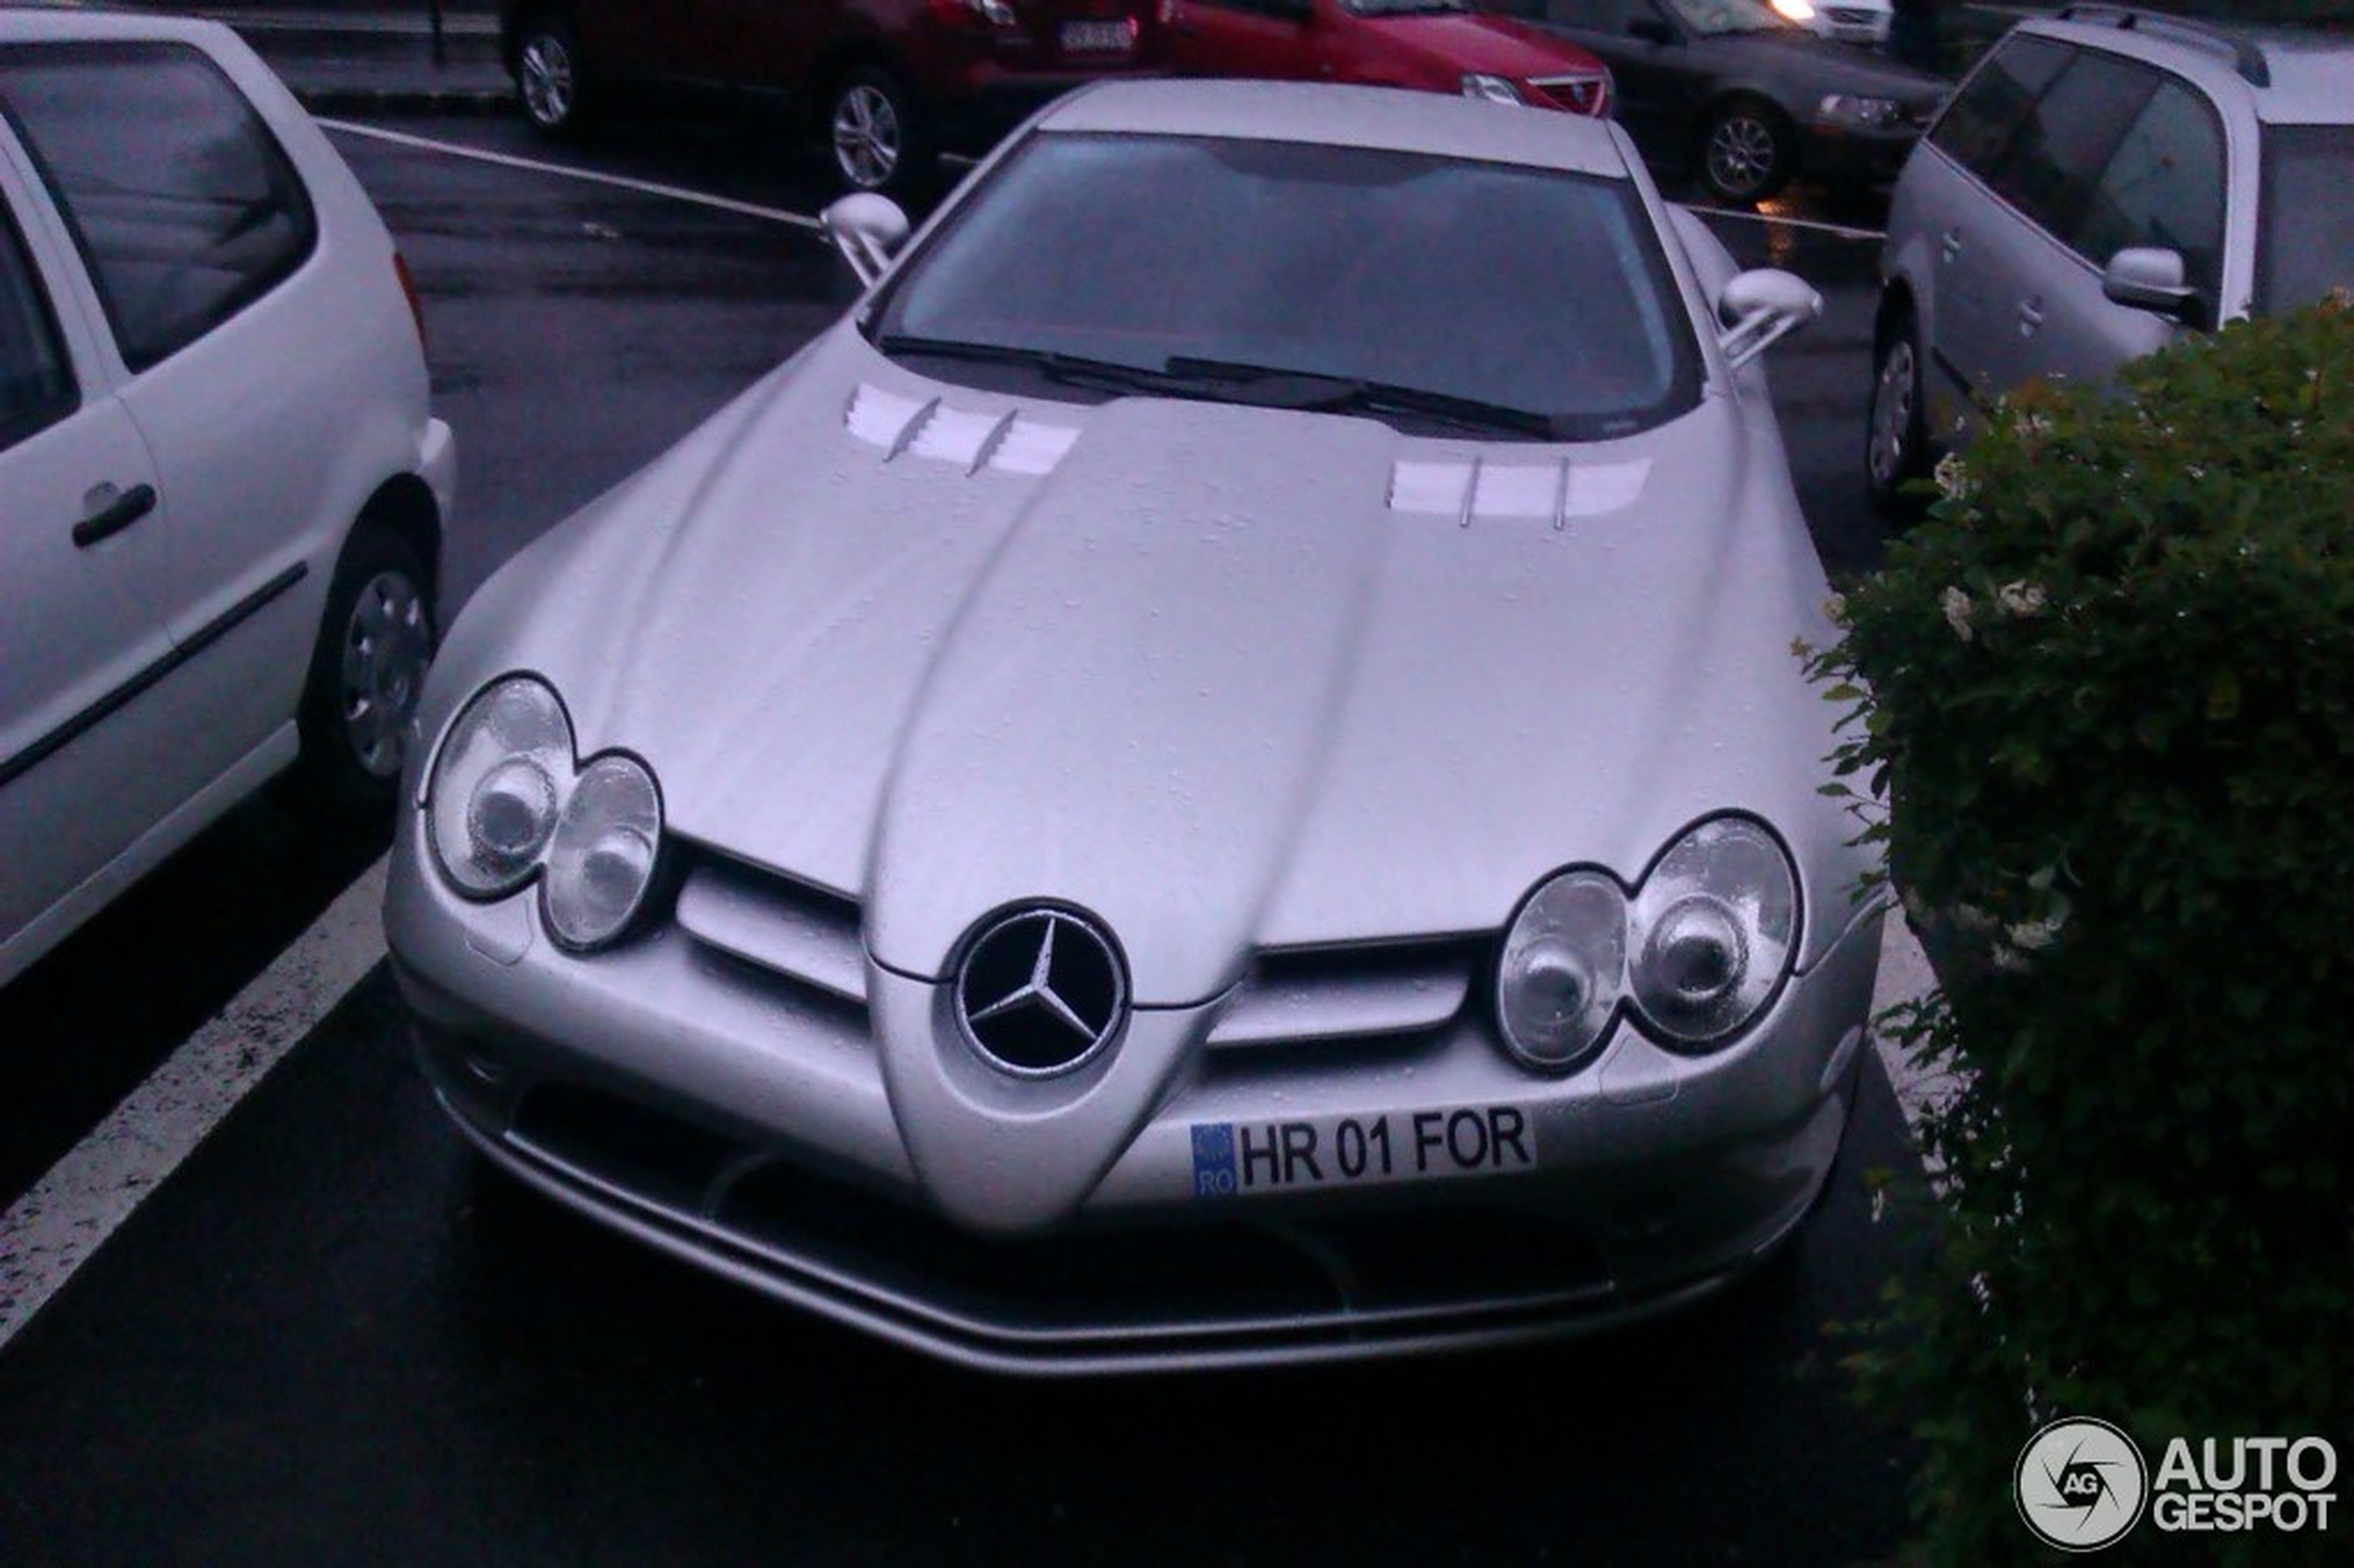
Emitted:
pixel 790 929
pixel 1223 1291
pixel 1311 994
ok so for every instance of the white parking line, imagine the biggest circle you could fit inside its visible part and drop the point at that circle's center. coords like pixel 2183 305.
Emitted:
pixel 54 1228
pixel 586 176
pixel 1816 224
pixel 803 221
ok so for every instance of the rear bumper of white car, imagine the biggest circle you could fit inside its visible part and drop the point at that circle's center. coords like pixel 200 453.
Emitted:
pixel 438 465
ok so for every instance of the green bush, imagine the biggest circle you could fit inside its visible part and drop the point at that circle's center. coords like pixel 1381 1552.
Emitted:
pixel 2106 692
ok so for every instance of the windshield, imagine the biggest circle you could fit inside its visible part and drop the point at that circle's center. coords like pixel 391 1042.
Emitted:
pixel 2308 245
pixel 1401 7
pixel 1708 17
pixel 1428 291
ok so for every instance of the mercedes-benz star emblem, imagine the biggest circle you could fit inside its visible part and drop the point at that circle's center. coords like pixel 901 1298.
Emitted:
pixel 1041 991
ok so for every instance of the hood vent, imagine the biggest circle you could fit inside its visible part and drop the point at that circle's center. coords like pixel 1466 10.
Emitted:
pixel 1552 492
pixel 1012 442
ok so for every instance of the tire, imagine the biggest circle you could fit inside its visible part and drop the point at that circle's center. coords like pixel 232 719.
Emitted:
pixel 360 697
pixel 548 79
pixel 1748 152
pixel 1895 435
pixel 874 134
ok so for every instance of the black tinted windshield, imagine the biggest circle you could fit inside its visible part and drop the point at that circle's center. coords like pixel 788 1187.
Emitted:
pixel 1523 291
pixel 1401 7
pixel 2307 247
pixel 1710 16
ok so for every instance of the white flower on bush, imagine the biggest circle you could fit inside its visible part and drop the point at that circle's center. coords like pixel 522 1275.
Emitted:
pixel 2021 598
pixel 1835 608
pixel 2009 960
pixel 1952 478
pixel 1973 919
pixel 2030 423
pixel 1956 606
pixel 2033 936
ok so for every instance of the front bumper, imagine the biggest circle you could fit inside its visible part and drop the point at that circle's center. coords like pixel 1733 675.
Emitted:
pixel 740 1120
pixel 1841 153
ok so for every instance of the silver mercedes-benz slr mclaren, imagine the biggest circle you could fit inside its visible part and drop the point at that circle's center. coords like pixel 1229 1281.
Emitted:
pixel 1214 775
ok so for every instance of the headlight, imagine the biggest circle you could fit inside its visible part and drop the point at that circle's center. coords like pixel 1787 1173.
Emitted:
pixel 1713 926
pixel 1795 10
pixel 1875 113
pixel 507 800
pixel 602 858
pixel 1565 970
pixel 1696 952
pixel 1495 89
pixel 497 786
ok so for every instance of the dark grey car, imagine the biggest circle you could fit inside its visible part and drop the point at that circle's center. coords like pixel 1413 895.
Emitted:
pixel 1728 89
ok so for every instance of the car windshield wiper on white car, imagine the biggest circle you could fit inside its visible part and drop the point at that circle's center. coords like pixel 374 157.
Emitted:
pixel 1321 393
pixel 1076 370
pixel 1229 381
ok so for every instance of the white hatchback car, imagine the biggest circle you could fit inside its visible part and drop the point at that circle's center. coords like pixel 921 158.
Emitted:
pixel 221 492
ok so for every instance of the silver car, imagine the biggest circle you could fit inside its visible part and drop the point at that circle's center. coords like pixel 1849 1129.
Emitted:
pixel 1214 775
pixel 2103 183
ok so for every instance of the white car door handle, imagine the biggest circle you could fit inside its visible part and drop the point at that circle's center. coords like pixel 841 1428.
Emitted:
pixel 1950 242
pixel 2030 316
pixel 115 517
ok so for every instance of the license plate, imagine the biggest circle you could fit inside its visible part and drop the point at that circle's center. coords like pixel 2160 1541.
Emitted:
pixel 1098 37
pixel 1234 1158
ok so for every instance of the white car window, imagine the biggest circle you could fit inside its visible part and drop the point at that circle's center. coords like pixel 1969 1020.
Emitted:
pixel 36 387
pixel 2163 187
pixel 182 203
pixel 2307 245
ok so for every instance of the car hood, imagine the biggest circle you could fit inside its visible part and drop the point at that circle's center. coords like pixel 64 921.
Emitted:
pixel 1230 678
pixel 1813 65
pixel 1462 41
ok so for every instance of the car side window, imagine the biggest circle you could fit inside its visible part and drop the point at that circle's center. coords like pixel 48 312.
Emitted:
pixel 2163 187
pixel 1601 16
pixel 2056 159
pixel 36 386
pixel 1976 127
pixel 183 206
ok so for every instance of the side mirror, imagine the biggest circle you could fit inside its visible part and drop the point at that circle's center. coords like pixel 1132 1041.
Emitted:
pixel 1651 30
pixel 2149 279
pixel 1760 307
pixel 869 230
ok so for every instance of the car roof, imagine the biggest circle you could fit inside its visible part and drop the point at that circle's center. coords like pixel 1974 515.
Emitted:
pixel 2289 75
pixel 67 25
pixel 1329 114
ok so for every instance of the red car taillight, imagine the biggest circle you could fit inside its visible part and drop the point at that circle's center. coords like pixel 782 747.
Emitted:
pixel 1584 92
pixel 409 292
pixel 973 15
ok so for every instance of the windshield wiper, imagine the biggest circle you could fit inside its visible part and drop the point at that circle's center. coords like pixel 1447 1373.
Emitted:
pixel 1075 370
pixel 1320 393
pixel 1231 381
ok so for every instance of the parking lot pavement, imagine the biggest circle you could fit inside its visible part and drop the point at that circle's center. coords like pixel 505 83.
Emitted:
pixel 331 1338
pixel 334 1337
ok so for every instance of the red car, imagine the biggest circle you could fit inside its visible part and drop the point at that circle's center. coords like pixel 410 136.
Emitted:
pixel 886 84
pixel 1439 45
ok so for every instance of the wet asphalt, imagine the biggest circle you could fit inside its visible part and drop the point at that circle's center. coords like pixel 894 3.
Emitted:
pixel 332 1338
